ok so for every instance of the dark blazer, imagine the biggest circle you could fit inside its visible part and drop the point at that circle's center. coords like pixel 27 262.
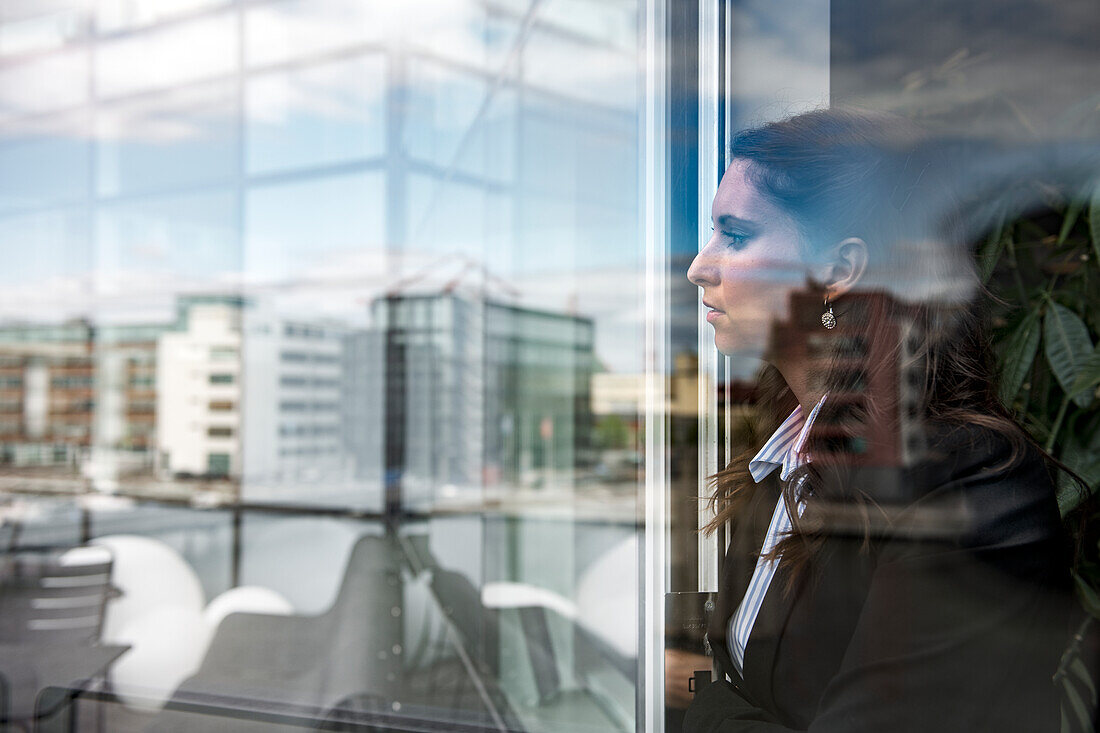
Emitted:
pixel 949 617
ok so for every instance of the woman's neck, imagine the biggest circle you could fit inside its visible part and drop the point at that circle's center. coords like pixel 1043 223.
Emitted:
pixel 797 377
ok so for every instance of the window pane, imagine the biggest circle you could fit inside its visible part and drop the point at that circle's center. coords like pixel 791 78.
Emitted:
pixel 290 29
pixel 167 56
pixel 324 114
pixel 306 307
pixel 44 83
pixel 44 162
pixel 49 265
pixel 51 29
pixel 115 15
pixel 178 138
pixel 460 121
pixel 296 228
pixel 167 242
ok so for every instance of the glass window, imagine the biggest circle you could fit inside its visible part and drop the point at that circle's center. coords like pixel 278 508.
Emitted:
pixel 453 218
pixel 614 22
pixel 341 103
pixel 293 228
pixel 303 309
pixel 461 31
pixel 116 15
pixel 42 32
pixel 290 29
pixel 178 138
pixel 564 65
pixel 166 56
pixel 43 83
pixel 459 121
pixel 45 162
pixel 150 240
pixel 46 250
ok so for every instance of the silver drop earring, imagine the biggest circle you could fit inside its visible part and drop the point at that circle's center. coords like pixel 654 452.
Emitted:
pixel 828 320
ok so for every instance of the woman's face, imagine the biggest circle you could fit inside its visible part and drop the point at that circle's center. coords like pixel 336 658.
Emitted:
pixel 749 267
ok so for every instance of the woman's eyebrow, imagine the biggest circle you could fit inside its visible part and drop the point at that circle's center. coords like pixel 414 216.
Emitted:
pixel 727 221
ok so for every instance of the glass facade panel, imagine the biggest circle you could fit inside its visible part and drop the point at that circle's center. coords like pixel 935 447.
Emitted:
pixel 165 56
pixel 459 121
pixel 43 31
pixel 341 103
pixel 44 82
pixel 191 237
pixel 291 228
pixel 119 15
pixel 595 72
pixel 44 163
pixel 168 140
pixel 276 32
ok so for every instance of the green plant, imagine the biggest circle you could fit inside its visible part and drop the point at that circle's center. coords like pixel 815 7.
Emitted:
pixel 1044 271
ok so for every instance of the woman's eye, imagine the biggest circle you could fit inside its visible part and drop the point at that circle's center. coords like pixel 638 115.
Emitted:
pixel 734 239
pixel 737 241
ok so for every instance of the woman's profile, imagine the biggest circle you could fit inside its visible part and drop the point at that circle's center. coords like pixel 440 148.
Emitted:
pixel 896 561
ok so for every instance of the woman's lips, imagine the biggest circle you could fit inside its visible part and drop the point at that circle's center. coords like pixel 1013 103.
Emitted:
pixel 712 314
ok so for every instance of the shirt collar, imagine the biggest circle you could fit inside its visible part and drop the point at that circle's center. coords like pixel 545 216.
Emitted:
pixel 784 449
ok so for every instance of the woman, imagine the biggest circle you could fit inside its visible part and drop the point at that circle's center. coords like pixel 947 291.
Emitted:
pixel 897 561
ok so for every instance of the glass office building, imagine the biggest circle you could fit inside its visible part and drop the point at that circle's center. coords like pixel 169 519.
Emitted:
pixel 359 334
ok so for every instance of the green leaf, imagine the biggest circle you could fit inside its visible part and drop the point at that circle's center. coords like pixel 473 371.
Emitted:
pixel 1077 705
pixel 991 253
pixel 1072 212
pixel 1089 376
pixel 1094 223
pixel 1089 598
pixel 1077 666
pixel 1067 345
pixel 1083 458
pixel 1018 356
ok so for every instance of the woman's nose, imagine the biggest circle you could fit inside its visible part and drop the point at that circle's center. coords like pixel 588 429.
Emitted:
pixel 703 270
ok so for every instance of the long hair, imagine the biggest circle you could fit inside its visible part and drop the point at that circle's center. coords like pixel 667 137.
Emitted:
pixel 920 314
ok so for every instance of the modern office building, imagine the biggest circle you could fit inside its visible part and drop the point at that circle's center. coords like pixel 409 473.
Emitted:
pixel 481 393
pixel 292 406
pixel 361 398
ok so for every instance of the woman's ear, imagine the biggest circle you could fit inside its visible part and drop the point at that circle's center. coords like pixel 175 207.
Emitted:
pixel 844 267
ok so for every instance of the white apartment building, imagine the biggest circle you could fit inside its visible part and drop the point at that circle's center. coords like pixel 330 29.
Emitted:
pixel 198 377
pixel 293 449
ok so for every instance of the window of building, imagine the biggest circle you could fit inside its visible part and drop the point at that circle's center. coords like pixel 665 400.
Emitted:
pixel 217 464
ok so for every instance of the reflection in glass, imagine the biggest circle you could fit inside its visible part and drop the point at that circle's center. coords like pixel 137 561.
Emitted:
pixel 167 140
pixel 44 162
pixel 340 103
pixel 312 226
pixel 166 56
pixel 43 83
pixel 324 318
pixel 284 30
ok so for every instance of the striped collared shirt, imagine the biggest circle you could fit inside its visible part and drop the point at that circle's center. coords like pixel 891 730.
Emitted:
pixel 783 451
